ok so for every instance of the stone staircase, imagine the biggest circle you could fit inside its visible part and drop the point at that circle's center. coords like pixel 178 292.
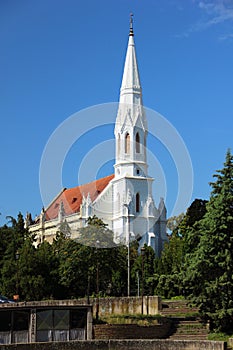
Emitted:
pixel 184 329
pixel 187 325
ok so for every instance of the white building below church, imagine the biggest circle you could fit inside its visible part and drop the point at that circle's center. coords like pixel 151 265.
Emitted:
pixel 124 200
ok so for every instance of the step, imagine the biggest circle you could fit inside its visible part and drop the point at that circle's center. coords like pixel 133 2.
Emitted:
pixel 178 311
pixel 188 337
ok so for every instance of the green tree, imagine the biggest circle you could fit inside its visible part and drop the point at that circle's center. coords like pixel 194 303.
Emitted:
pixel 47 267
pixel 142 267
pixel 86 265
pixel 167 280
pixel 9 273
pixel 74 260
pixel 174 221
pixel 29 279
pixel 6 234
pixel 169 268
pixel 96 234
pixel 208 277
pixel 188 226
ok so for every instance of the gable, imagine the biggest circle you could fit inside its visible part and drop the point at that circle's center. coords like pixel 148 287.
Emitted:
pixel 72 197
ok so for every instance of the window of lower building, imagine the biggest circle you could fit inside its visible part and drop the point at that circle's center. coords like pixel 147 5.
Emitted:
pixel 21 320
pixel 61 319
pixel 5 321
pixel 78 319
pixel 44 320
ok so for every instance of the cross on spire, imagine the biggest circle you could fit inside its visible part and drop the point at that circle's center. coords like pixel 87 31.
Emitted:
pixel 131 25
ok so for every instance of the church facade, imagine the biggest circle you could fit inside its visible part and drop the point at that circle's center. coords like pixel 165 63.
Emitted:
pixel 124 200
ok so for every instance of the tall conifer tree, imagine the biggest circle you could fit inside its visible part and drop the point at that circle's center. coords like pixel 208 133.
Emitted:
pixel 209 269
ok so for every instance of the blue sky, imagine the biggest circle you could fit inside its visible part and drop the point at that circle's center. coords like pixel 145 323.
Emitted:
pixel 59 57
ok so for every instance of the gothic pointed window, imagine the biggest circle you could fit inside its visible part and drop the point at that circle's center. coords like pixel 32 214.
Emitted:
pixel 119 145
pixel 145 145
pixel 118 203
pixel 137 203
pixel 137 143
pixel 127 143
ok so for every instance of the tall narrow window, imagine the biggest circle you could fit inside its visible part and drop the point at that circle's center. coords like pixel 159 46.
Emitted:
pixel 137 203
pixel 127 143
pixel 145 145
pixel 118 203
pixel 137 143
pixel 118 145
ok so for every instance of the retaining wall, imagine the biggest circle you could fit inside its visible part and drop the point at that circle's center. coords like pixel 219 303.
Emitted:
pixel 121 345
pixel 131 331
pixel 151 305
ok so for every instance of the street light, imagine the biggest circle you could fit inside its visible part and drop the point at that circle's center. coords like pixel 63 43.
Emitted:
pixel 138 282
pixel 88 287
pixel 97 280
pixel 142 253
pixel 128 248
pixel 16 297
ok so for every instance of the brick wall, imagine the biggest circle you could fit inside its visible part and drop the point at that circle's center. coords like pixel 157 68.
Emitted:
pixel 131 331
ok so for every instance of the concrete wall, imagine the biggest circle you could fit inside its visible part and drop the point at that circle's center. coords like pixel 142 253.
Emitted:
pixel 128 305
pixel 121 345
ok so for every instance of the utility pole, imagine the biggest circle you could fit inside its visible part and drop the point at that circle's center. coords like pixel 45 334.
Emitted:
pixel 127 242
pixel 97 279
pixel 142 254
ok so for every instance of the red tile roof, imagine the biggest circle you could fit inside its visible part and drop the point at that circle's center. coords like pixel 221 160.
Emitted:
pixel 72 197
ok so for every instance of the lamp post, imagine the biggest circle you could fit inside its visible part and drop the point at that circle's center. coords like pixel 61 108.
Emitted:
pixel 142 253
pixel 128 288
pixel 88 287
pixel 138 282
pixel 16 297
pixel 128 248
pixel 97 280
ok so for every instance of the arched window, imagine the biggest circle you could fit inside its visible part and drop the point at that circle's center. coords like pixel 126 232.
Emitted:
pixel 144 144
pixel 118 145
pixel 118 203
pixel 127 143
pixel 137 203
pixel 137 143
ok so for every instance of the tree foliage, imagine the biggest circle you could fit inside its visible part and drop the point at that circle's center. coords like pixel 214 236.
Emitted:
pixel 174 221
pixel 208 274
pixel 197 263
pixel 66 268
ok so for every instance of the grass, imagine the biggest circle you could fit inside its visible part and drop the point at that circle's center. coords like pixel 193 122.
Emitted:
pixel 184 314
pixel 219 336
pixel 131 319
pixel 178 297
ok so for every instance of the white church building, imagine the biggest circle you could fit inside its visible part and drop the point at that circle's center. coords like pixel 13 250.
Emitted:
pixel 123 200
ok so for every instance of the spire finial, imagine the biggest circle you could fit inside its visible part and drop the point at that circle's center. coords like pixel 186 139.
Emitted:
pixel 131 25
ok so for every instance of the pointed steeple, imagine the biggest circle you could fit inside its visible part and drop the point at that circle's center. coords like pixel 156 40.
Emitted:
pixel 131 92
pixel 131 123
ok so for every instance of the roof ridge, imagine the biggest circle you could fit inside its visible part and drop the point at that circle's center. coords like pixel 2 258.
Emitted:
pixel 67 196
pixel 88 183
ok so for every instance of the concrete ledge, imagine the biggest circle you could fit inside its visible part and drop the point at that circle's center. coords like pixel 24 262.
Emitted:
pixel 121 345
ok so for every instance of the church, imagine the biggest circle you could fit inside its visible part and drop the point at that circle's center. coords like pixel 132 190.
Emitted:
pixel 124 199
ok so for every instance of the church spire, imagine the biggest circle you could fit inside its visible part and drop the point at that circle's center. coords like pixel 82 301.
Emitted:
pixel 131 123
pixel 131 92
